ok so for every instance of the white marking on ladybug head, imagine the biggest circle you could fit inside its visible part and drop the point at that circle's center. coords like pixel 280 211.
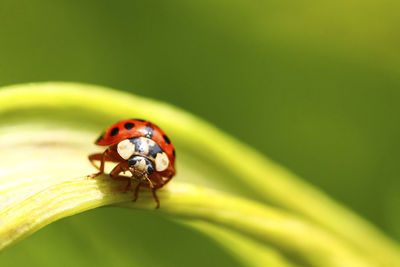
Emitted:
pixel 140 166
pixel 125 149
pixel 162 161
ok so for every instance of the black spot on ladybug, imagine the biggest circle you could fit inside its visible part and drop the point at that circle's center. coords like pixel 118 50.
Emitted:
pixel 166 139
pixel 114 131
pixel 129 125
pixel 148 131
pixel 173 152
pixel 100 137
pixel 138 120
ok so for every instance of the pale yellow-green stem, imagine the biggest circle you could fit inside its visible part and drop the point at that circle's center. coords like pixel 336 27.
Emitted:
pixel 291 235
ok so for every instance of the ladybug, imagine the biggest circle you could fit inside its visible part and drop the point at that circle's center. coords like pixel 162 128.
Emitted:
pixel 141 148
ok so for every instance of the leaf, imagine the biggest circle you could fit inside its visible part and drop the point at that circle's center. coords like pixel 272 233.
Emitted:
pixel 222 187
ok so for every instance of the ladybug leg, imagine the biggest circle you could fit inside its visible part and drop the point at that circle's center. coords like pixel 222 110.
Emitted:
pixel 152 187
pixel 153 191
pixel 121 167
pixel 135 196
pixel 94 157
pixel 163 178
pixel 128 186
pixel 108 155
pixel 102 158
pixel 157 180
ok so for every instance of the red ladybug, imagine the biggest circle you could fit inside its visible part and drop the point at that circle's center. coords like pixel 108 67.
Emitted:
pixel 140 147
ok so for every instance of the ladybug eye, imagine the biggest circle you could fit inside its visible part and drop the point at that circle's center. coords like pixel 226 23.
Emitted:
pixel 114 131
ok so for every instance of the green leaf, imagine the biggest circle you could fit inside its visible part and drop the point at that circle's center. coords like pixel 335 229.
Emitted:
pixel 256 210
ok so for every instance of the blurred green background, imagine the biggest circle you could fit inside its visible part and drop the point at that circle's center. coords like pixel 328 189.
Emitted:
pixel 314 85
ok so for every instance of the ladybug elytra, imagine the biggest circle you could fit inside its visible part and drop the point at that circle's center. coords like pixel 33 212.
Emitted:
pixel 141 148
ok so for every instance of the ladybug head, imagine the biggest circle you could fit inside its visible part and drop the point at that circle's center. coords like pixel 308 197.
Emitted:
pixel 143 155
pixel 140 165
pixel 133 150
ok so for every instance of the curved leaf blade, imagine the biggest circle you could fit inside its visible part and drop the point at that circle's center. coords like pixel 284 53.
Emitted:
pixel 66 117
